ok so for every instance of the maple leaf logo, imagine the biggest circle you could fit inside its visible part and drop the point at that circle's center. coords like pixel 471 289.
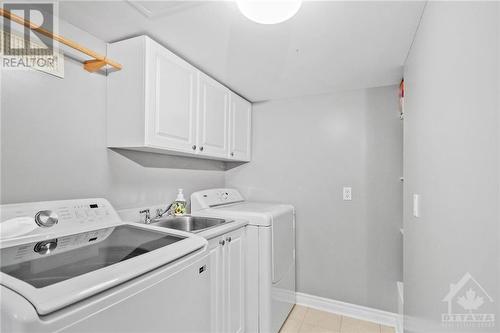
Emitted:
pixel 470 301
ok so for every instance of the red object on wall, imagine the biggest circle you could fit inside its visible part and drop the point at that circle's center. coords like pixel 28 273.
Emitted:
pixel 402 96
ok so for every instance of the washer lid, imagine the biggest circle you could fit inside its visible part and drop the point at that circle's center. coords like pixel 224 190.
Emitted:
pixel 257 213
pixel 54 273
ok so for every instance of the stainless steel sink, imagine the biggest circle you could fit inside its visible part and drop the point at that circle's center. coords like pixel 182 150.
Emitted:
pixel 189 223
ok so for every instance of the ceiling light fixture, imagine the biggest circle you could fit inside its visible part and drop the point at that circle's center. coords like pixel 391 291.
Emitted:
pixel 269 12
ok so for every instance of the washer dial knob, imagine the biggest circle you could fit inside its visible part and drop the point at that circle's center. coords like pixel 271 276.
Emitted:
pixel 45 246
pixel 46 218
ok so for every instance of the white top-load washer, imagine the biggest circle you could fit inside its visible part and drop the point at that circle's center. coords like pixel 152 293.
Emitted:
pixel 74 266
pixel 270 253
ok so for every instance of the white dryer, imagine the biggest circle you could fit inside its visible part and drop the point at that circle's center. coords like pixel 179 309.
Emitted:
pixel 270 253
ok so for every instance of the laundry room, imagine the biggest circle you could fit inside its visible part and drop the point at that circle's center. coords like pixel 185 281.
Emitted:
pixel 250 166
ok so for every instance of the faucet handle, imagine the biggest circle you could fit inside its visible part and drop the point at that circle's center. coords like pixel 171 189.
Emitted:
pixel 159 213
pixel 147 217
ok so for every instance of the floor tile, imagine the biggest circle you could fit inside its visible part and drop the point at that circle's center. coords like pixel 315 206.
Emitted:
pixel 310 328
pixel 329 321
pixel 298 312
pixel 306 320
pixel 291 326
pixel 351 325
pixel 387 329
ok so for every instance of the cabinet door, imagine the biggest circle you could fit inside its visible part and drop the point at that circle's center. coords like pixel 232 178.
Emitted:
pixel 240 130
pixel 213 114
pixel 217 285
pixel 235 272
pixel 171 86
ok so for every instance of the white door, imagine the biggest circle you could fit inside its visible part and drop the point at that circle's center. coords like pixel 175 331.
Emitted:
pixel 240 131
pixel 235 272
pixel 217 284
pixel 171 87
pixel 213 114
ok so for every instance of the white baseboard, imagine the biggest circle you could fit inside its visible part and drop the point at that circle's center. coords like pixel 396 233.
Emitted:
pixel 401 301
pixel 350 310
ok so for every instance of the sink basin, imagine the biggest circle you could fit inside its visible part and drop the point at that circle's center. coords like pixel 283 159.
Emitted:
pixel 189 223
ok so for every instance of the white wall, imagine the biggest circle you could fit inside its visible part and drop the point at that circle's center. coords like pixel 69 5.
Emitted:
pixel 452 160
pixel 53 143
pixel 304 151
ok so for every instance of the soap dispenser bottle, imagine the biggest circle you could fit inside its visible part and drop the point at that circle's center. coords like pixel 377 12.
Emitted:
pixel 179 205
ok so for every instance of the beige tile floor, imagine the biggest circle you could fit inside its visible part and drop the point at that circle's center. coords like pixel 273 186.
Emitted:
pixel 307 320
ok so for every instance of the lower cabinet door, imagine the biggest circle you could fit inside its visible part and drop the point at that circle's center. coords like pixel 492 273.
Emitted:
pixel 235 275
pixel 217 285
pixel 227 282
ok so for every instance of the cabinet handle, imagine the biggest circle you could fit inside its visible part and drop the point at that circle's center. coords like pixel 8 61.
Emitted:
pixel 201 148
pixel 194 147
pixel 222 242
pixel 232 154
pixel 228 239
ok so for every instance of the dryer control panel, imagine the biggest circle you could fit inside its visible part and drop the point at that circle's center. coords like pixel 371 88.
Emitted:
pixel 214 197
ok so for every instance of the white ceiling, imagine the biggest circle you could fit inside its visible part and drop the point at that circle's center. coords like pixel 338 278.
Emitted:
pixel 327 46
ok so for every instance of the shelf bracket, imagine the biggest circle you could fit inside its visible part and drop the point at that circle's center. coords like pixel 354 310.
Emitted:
pixel 93 65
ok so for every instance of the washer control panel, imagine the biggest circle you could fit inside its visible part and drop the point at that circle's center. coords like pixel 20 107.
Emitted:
pixel 90 212
pixel 65 215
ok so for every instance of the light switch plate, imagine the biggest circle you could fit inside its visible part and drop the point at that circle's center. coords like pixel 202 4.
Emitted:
pixel 416 205
pixel 347 193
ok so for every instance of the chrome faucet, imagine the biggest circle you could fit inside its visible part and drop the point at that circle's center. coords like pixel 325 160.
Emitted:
pixel 147 217
pixel 159 213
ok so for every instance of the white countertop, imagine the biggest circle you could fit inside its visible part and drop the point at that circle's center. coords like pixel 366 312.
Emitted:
pixel 222 229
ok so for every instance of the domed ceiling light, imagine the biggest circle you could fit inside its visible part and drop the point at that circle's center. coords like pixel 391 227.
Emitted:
pixel 269 12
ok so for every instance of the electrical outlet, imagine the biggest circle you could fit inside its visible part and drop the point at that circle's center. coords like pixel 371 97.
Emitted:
pixel 347 193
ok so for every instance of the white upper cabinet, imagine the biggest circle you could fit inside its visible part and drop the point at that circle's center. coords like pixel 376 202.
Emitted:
pixel 240 128
pixel 160 103
pixel 213 117
pixel 171 110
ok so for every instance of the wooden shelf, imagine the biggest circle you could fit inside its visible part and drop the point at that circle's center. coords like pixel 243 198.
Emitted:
pixel 93 65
